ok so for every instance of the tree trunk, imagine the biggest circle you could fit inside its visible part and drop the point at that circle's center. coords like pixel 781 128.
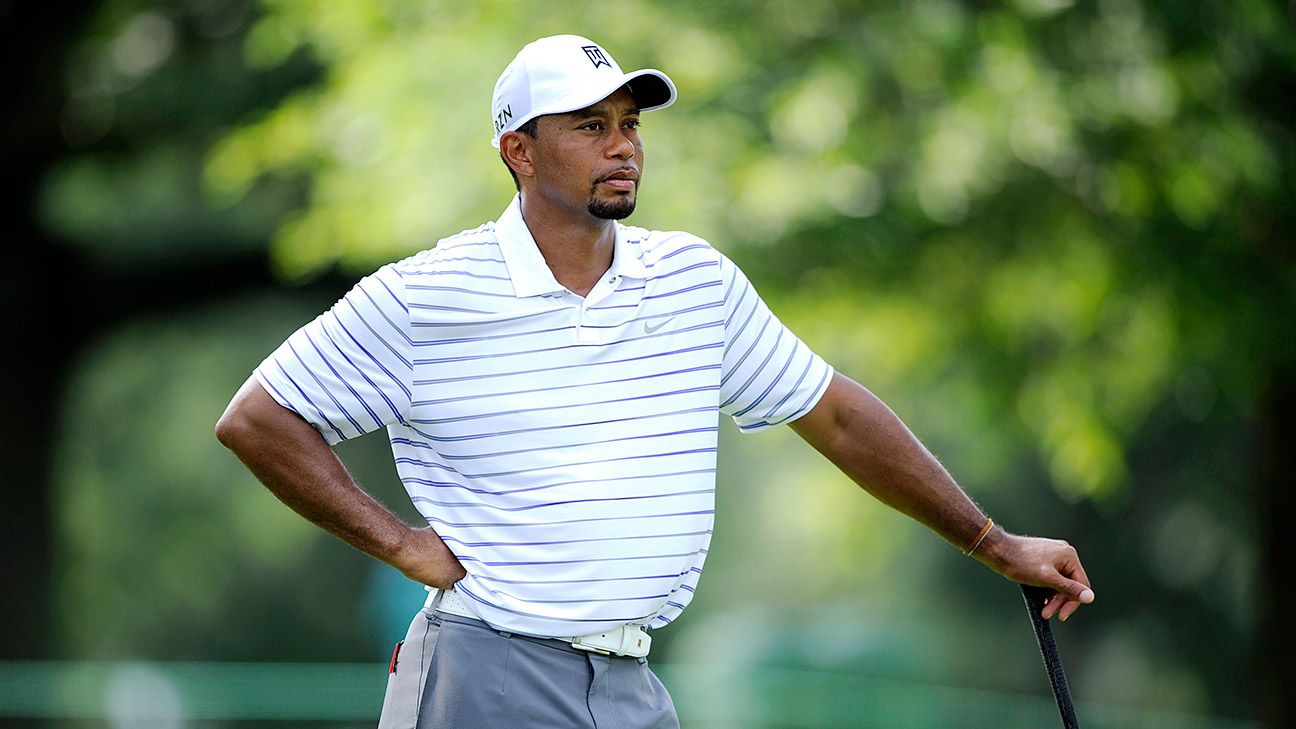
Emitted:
pixel 39 326
pixel 1276 631
pixel 29 377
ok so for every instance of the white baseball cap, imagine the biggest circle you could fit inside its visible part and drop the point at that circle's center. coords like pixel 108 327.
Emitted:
pixel 564 73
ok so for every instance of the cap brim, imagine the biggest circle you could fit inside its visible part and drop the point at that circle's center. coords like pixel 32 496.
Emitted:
pixel 651 89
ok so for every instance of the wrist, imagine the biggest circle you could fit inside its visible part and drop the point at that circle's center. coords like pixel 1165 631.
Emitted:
pixel 994 547
pixel 980 537
pixel 402 553
pixel 422 556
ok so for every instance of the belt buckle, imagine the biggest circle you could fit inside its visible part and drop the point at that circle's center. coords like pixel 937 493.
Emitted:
pixel 577 644
pixel 581 644
pixel 629 640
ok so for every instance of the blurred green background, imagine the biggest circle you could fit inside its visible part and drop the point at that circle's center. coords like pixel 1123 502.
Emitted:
pixel 1055 236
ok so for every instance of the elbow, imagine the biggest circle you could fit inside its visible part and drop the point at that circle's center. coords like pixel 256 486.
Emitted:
pixel 232 428
pixel 251 418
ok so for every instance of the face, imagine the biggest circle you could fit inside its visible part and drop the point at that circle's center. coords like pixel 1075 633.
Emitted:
pixel 590 160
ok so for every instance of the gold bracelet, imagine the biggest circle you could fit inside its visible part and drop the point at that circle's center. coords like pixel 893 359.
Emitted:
pixel 979 538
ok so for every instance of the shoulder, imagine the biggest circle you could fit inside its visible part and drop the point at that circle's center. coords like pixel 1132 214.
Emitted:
pixel 476 245
pixel 469 262
pixel 466 261
pixel 665 251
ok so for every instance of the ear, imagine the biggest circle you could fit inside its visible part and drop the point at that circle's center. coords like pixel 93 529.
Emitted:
pixel 516 149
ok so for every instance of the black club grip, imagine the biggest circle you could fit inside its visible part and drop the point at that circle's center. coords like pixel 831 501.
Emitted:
pixel 1035 598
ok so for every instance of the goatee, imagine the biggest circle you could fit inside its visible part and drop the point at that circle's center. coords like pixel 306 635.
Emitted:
pixel 615 209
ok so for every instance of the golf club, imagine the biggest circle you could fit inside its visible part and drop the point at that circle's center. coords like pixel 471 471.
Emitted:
pixel 1035 599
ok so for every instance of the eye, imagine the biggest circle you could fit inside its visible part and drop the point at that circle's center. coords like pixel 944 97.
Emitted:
pixel 593 126
pixel 632 124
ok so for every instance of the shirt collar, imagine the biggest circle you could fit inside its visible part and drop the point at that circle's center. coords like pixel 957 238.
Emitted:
pixel 526 265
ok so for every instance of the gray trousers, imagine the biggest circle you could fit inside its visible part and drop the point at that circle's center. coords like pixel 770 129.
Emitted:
pixel 453 672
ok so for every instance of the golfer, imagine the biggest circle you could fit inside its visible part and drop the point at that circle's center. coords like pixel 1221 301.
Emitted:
pixel 551 383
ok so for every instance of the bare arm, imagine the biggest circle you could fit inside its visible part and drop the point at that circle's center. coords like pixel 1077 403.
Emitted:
pixel 295 463
pixel 861 436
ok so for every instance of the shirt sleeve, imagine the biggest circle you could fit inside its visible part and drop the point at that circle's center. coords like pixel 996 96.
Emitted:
pixel 768 376
pixel 348 372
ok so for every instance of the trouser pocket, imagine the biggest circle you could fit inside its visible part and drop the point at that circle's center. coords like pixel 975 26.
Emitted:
pixel 407 673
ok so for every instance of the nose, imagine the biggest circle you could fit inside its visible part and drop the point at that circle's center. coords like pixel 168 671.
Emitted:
pixel 621 146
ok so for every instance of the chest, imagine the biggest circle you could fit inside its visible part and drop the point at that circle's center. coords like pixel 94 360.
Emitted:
pixel 493 362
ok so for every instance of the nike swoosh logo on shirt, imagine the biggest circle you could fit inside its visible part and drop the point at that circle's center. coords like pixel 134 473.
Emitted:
pixel 649 328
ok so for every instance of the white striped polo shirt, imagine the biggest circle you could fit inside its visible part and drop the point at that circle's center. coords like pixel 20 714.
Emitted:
pixel 563 447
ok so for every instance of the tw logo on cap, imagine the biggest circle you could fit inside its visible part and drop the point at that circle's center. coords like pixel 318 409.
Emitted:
pixel 595 54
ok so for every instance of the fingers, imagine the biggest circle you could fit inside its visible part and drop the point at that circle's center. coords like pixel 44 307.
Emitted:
pixel 1072 586
pixel 1052 605
pixel 1054 564
pixel 1061 605
pixel 1086 594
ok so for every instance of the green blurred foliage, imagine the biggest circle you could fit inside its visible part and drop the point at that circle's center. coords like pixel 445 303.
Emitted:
pixel 170 542
pixel 1070 190
pixel 1049 234
pixel 147 91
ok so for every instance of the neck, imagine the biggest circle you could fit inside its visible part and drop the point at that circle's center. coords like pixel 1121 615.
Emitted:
pixel 577 248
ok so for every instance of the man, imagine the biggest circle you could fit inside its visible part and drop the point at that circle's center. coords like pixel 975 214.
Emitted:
pixel 551 383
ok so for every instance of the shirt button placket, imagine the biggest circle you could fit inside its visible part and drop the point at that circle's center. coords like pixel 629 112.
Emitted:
pixel 601 291
pixel 583 332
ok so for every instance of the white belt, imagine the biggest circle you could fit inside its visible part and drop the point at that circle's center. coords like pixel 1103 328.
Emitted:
pixel 628 640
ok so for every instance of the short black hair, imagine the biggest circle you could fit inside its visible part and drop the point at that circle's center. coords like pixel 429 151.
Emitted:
pixel 532 129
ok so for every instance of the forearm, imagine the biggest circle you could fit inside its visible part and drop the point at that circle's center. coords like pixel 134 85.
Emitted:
pixel 861 436
pixel 871 445
pixel 305 474
pixel 292 460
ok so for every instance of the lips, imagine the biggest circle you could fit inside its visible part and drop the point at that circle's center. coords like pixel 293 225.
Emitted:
pixel 624 178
